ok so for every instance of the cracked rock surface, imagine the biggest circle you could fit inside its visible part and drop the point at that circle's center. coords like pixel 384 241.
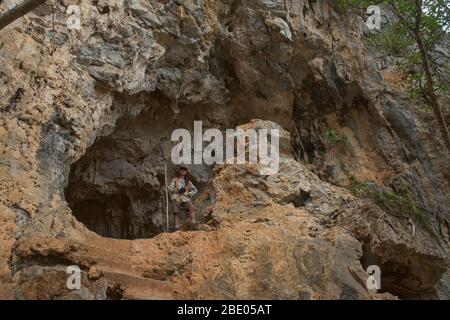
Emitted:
pixel 86 118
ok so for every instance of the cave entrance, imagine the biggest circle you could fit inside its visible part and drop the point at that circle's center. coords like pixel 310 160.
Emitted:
pixel 406 278
pixel 116 189
pixel 108 217
pixel 115 194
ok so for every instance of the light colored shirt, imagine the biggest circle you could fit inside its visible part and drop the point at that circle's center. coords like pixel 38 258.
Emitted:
pixel 186 197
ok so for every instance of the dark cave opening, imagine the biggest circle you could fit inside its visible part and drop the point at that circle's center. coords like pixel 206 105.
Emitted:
pixel 407 278
pixel 107 194
pixel 389 276
pixel 116 189
pixel 107 217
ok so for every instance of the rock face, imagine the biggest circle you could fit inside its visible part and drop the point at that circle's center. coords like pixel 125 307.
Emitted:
pixel 87 117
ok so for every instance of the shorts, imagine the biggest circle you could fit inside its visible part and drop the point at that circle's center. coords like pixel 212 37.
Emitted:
pixel 176 207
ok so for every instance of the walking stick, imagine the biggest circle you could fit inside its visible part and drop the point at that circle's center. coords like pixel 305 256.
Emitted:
pixel 167 197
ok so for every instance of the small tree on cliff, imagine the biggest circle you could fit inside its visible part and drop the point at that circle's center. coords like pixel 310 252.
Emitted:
pixel 425 23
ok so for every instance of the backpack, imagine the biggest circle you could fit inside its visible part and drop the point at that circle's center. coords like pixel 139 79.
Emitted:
pixel 187 182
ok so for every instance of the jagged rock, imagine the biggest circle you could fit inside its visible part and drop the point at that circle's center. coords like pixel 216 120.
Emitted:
pixel 86 118
pixel 413 261
pixel 7 231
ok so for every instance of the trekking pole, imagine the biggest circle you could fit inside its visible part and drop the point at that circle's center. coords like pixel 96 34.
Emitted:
pixel 167 197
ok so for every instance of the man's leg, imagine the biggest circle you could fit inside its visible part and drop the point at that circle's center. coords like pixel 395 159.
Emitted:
pixel 176 217
pixel 176 214
pixel 192 212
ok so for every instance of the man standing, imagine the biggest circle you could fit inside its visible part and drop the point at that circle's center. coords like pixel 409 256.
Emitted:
pixel 183 190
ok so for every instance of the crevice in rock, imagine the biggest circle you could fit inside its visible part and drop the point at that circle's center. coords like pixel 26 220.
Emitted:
pixel 115 291
pixel 406 275
pixel 300 200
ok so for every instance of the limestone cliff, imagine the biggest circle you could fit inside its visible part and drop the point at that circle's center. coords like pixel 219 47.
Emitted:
pixel 86 117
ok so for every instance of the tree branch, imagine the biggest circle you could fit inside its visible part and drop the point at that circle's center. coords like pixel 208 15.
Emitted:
pixel 18 11
pixel 423 92
pixel 418 14
pixel 402 18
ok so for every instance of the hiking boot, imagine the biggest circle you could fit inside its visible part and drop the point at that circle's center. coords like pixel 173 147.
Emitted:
pixel 194 226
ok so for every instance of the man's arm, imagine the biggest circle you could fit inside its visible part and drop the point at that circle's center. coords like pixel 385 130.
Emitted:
pixel 192 190
pixel 172 186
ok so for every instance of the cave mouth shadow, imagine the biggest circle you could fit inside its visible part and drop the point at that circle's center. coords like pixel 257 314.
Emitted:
pixel 110 209
pixel 123 212
pixel 116 189
pixel 107 217
pixel 403 278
